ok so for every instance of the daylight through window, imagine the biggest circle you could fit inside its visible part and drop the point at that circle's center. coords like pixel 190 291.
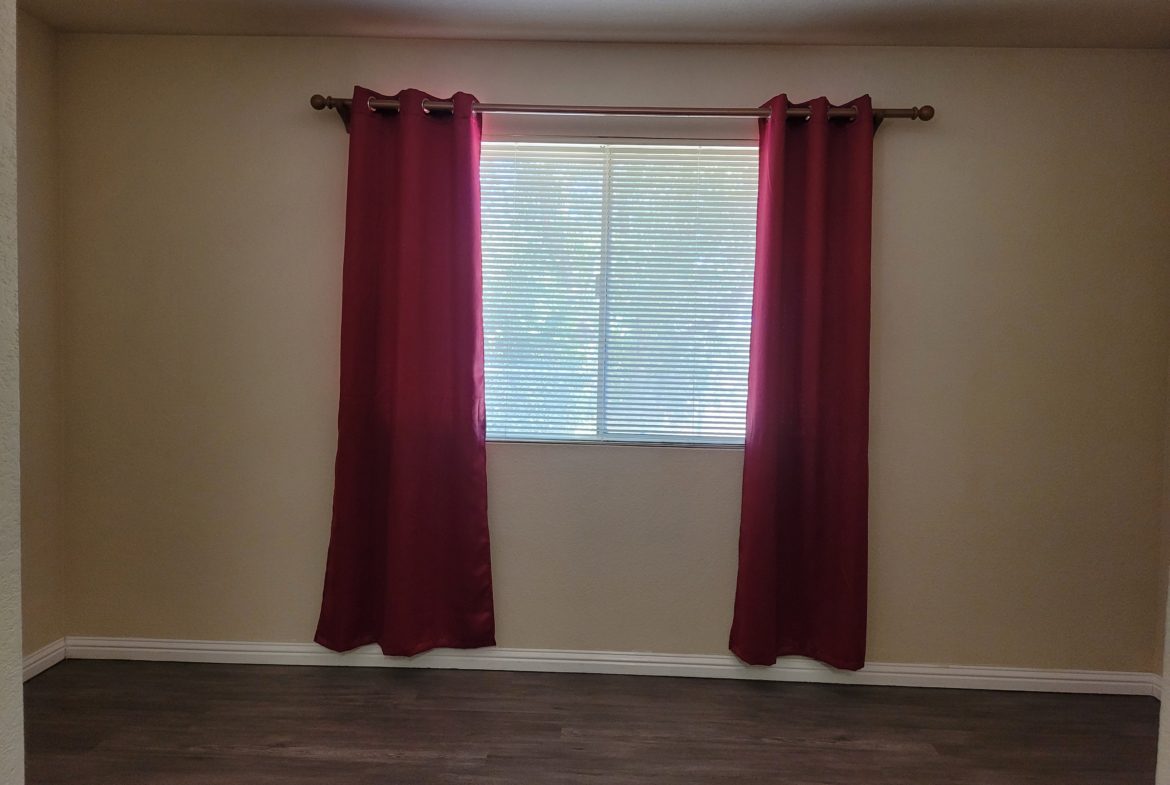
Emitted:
pixel 617 291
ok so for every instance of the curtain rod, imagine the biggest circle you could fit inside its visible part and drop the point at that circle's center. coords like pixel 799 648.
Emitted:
pixel 391 104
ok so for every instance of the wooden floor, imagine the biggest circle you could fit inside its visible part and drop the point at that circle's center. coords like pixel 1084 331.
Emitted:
pixel 132 723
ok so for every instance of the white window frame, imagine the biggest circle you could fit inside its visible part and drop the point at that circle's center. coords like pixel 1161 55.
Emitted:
pixel 718 443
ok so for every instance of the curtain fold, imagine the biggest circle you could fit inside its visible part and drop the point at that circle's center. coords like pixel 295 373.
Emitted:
pixel 409 564
pixel 801 588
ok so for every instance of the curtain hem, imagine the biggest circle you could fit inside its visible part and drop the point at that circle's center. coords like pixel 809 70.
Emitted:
pixel 389 650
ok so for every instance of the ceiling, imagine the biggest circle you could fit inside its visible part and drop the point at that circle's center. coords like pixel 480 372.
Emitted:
pixel 1039 23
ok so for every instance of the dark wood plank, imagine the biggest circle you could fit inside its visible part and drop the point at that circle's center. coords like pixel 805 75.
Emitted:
pixel 134 723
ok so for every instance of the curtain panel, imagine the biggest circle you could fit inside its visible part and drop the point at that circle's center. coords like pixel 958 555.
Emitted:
pixel 409 564
pixel 801 588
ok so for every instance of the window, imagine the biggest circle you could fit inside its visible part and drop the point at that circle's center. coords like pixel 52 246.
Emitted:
pixel 617 291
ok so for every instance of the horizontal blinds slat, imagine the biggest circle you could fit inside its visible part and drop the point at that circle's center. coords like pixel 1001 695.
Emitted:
pixel 678 283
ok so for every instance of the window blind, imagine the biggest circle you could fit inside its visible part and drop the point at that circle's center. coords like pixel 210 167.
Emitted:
pixel 617 291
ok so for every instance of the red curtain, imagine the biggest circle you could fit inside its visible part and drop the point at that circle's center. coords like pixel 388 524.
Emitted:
pixel 803 543
pixel 409 566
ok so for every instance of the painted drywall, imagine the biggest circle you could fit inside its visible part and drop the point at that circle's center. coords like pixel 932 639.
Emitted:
pixel 1020 339
pixel 41 434
pixel 11 696
pixel 1163 773
pixel 1165 552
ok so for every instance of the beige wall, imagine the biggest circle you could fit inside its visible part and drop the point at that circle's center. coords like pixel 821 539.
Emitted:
pixel 1019 351
pixel 42 536
pixel 11 704
pixel 1163 773
pixel 1164 589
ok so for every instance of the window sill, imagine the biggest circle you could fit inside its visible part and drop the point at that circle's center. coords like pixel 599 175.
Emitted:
pixel 623 443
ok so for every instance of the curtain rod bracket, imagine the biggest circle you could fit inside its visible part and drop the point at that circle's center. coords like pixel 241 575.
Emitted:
pixel 320 102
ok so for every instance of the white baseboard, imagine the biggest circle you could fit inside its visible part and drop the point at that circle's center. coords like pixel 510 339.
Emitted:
pixel 44 658
pixel 705 666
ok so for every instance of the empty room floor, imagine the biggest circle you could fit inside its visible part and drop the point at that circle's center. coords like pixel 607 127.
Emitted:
pixel 132 723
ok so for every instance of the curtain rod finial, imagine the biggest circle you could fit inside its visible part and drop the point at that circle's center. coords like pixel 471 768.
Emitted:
pixel 319 102
pixel 923 113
